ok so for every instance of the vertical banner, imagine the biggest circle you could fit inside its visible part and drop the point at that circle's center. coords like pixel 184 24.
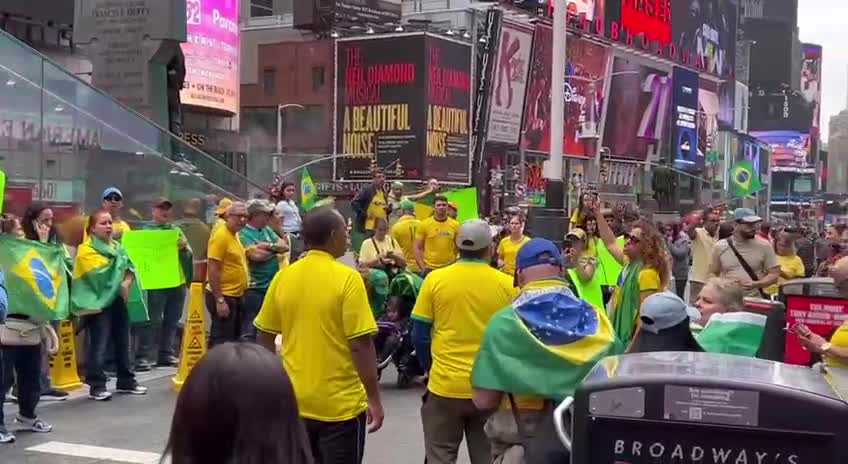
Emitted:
pixel 811 68
pixel 586 68
pixel 684 129
pixel 381 106
pixel 448 110
pixel 512 66
pixel 638 111
pixel 486 56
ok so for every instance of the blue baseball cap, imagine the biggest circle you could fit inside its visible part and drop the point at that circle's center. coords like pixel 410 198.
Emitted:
pixel 536 252
pixel 110 191
pixel 746 215
pixel 662 311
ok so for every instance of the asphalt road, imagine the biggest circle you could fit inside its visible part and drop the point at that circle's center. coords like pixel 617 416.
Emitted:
pixel 134 429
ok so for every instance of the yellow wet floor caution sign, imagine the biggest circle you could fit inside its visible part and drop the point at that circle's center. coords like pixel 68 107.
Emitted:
pixel 63 366
pixel 194 335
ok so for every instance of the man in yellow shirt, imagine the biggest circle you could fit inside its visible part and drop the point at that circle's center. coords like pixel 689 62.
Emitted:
pixel 327 348
pixel 403 231
pixel 702 239
pixel 435 238
pixel 368 205
pixel 227 279
pixel 453 308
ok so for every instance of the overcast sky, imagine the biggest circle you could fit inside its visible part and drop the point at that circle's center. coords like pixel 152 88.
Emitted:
pixel 824 22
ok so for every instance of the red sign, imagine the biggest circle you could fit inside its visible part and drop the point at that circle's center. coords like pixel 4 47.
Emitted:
pixel 652 18
pixel 821 315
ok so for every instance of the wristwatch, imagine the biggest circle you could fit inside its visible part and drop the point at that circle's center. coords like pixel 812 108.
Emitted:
pixel 220 300
pixel 825 347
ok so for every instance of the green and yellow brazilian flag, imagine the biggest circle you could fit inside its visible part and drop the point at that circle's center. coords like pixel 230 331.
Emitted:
pixel 744 180
pixel 99 269
pixel 36 278
pixel 544 344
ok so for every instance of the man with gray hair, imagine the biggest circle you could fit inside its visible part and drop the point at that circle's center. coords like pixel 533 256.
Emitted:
pixel 227 279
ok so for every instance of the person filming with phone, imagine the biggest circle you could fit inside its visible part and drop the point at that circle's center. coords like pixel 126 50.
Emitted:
pixel 835 351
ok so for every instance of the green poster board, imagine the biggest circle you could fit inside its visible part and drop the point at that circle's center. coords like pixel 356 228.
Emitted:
pixel 155 256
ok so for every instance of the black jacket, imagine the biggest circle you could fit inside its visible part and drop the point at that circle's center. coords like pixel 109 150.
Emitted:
pixel 360 204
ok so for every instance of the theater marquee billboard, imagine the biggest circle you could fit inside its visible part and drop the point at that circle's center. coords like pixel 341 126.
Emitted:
pixel 403 103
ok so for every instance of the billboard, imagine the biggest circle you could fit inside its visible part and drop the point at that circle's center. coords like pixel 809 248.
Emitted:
pixel 586 67
pixel 636 119
pixel 788 148
pixel 324 15
pixel 707 30
pixel 212 55
pixel 811 68
pixel 369 11
pixel 684 128
pixel 511 71
pixel 708 116
pixel 403 103
pixel 778 108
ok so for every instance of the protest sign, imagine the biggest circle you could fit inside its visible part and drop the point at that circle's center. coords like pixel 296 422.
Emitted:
pixel 2 189
pixel 466 203
pixel 154 254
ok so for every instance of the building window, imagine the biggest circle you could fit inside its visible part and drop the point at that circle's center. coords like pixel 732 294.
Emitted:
pixel 317 77
pixel 269 81
pixel 260 8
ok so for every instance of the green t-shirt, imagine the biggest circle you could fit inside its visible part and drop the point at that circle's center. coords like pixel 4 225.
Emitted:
pixel 261 272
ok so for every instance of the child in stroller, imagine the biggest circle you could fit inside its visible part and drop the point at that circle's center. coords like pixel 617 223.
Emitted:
pixel 393 342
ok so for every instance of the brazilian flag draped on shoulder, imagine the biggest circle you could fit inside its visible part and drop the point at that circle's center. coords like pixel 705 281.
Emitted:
pixel 99 270
pixel 36 278
pixel 543 344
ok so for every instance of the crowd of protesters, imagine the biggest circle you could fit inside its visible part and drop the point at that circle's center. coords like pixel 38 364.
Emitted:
pixel 492 303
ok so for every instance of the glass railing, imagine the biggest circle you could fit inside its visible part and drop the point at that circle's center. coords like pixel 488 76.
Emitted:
pixel 63 142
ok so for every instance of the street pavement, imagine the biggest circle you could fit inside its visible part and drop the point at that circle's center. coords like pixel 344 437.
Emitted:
pixel 134 429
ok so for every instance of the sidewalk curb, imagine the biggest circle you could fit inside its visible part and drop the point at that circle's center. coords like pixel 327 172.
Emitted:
pixel 82 392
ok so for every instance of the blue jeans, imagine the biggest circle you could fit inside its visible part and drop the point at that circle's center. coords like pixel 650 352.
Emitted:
pixel 251 304
pixel 21 364
pixel 156 336
pixel 112 324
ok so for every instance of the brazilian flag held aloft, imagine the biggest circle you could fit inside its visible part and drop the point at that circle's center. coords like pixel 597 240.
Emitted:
pixel 744 180
pixel 36 278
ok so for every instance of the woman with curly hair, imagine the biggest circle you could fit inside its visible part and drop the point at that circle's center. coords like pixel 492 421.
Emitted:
pixel 646 271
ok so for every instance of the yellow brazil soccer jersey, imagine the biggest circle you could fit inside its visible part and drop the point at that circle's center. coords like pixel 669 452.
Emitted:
pixel 459 313
pixel 508 252
pixel 439 241
pixel 404 233
pixel 316 318
pixel 225 247
pixel 376 209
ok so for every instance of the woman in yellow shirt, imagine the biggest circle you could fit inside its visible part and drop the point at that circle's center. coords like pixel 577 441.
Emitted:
pixel 791 266
pixel 509 245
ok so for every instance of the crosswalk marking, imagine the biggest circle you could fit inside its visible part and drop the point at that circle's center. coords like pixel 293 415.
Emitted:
pixel 96 452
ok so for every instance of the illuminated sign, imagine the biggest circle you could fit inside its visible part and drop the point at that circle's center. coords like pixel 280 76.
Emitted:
pixel 212 55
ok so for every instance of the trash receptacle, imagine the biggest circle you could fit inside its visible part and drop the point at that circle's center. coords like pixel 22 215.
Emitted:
pixel 705 408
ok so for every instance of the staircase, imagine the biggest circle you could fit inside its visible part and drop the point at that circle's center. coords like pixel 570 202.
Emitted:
pixel 62 141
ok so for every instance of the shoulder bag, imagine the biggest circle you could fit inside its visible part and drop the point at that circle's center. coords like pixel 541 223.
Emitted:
pixel 19 332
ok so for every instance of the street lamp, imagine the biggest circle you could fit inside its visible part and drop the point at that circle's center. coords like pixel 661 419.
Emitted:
pixel 280 109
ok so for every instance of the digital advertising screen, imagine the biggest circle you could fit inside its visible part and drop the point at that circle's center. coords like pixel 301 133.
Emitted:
pixel 773 108
pixel 403 103
pixel 684 125
pixel 636 119
pixel 709 108
pixel 583 94
pixel 788 148
pixel 707 29
pixel 509 83
pixel 375 11
pixel 212 55
pixel 811 79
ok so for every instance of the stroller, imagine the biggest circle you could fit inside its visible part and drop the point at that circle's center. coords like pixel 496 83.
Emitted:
pixel 393 342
